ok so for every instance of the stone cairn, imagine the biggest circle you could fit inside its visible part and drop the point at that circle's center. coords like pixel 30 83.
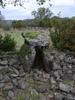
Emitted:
pixel 57 84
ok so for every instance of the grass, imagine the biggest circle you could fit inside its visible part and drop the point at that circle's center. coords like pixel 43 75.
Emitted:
pixel 67 82
pixel 19 98
pixel 19 40
pixel 34 96
pixel 11 72
pixel 16 34
pixel 30 81
pixel 31 35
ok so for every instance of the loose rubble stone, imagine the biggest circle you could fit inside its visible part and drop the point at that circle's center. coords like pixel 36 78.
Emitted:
pixel 50 96
pixel 8 87
pixel 3 63
pixel 47 76
pixel 10 94
pixel 22 73
pixel 1 76
pixel 7 78
pixel 14 98
pixel 59 96
pixel 21 84
pixel 42 88
pixel 13 75
pixel 33 91
pixel 65 88
pixel 56 66
pixel 16 71
pixel 39 72
pixel 69 97
pixel 56 75
pixel 16 83
pixel 69 66
pixel 52 80
pixel 72 90
pixel 1 85
pixel 42 97
pixel 2 97
pixel 74 77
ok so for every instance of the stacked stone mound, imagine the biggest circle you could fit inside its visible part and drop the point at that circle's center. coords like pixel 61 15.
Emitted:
pixel 59 84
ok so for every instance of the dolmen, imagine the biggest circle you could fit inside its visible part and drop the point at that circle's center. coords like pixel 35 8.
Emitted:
pixel 33 52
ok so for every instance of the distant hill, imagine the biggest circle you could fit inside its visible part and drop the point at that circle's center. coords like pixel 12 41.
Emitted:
pixel 9 21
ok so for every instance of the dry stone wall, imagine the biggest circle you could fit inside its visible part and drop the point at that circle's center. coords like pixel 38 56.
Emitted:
pixel 58 84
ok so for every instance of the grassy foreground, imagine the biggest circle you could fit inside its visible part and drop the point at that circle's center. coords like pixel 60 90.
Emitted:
pixel 19 40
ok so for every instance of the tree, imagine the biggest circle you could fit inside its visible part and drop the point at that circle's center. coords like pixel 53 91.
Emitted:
pixel 18 24
pixel 1 19
pixel 42 16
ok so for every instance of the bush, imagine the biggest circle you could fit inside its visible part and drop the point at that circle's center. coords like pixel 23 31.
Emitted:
pixel 7 43
pixel 6 26
pixel 0 40
pixel 64 37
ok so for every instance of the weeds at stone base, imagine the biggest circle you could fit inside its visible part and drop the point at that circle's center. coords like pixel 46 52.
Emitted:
pixel 34 96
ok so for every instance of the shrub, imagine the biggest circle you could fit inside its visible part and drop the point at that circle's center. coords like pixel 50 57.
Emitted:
pixel 6 26
pixel 64 37
pixel 0 40
pixel 7 43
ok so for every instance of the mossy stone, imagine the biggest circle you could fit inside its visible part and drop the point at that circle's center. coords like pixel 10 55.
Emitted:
pixel 31 35
pixel 25 50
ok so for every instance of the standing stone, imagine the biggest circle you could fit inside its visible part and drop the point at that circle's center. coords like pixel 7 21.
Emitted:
pixel 27 56
pixel 46 61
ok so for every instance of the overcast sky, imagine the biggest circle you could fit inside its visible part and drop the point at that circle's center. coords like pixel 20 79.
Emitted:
pixel 66 7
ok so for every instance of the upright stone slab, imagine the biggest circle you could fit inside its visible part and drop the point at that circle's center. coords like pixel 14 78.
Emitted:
pixel 27 56
pixel 48 64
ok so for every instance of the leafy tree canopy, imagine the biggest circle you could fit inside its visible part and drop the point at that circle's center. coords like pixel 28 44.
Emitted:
pixel 42 13
pixel 20 2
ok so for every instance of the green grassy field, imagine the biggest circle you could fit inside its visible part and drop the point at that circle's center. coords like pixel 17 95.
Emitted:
pixel 19 40
pixel 16 34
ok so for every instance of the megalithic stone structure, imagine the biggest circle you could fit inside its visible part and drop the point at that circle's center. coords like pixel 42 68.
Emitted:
pixel 32 53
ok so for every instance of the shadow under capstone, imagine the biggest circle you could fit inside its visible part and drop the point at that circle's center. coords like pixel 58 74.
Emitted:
pixel 38 62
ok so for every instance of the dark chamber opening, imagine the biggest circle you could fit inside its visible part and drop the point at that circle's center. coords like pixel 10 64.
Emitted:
pixel 38 62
